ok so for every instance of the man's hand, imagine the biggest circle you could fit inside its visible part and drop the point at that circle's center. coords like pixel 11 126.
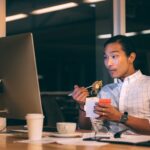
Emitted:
pixel 107 112
pixel 80 94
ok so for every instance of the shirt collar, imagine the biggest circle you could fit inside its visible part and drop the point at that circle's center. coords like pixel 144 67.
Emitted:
pixel 131 78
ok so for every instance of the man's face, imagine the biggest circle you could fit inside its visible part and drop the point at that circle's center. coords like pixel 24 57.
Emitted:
pixel 117 62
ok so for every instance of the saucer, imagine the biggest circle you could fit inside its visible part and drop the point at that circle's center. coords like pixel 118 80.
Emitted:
pixel 56 134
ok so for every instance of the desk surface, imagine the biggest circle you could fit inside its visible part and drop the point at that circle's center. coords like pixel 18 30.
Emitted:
pixel 8 143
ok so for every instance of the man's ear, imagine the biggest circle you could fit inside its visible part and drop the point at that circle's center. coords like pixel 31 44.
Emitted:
pixel 132 57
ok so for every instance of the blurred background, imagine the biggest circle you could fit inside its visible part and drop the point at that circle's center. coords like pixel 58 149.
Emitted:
pixel 68 39
pixel 69 42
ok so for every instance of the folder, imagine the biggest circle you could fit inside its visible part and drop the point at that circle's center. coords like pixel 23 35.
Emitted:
pixel 139 140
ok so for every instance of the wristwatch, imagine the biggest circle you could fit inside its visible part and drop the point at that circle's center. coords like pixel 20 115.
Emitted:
pixel 124 117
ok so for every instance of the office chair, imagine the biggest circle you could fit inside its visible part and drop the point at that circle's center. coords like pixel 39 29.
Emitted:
pixel 51 111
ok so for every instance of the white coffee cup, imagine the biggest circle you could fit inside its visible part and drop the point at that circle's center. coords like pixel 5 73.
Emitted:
pixel 3 124
pixel 66 127
pixel 35 126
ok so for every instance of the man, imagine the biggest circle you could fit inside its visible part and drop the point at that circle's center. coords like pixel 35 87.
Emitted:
pixel 130 96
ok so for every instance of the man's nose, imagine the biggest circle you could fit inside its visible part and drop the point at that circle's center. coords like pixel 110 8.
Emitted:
pixel 109 62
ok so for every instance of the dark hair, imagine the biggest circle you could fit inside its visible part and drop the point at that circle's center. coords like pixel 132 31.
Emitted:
pixel 125 42
pixel 127 45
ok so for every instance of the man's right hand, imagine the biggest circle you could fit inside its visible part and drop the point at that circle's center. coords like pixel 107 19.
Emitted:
pixel 80 94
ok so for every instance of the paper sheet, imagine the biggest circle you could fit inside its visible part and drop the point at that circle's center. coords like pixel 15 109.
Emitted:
pixel 79 141
pixel 66 141
pixel 130 138
pixel 44 140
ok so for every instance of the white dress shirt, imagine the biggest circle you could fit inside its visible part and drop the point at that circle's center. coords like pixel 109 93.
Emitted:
pixel 132 95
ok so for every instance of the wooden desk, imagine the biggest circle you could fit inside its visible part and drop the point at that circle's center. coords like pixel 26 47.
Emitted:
pixel 8 143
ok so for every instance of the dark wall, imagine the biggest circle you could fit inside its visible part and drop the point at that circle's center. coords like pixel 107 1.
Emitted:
pixel 64 42
pixel 66 55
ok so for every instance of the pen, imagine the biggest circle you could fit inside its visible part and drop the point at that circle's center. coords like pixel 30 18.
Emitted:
pixel 118 134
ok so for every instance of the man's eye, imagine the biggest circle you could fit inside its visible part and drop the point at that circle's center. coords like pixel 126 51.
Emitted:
pixel 105 57
pixel 114 56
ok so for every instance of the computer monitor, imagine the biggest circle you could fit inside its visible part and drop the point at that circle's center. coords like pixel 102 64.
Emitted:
pixel 19 88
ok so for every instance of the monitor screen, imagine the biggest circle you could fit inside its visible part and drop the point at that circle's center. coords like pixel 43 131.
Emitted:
pixel 19 88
